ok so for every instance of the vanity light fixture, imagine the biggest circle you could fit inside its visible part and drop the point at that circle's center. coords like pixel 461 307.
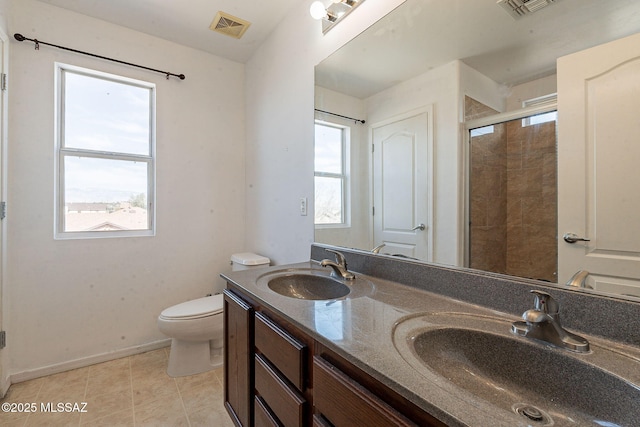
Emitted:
pixel 333 14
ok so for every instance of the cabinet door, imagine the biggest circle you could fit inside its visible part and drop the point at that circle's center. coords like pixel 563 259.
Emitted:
pixel 238 359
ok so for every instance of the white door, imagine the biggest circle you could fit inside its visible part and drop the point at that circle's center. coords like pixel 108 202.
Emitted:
pixel 402 170
pixel 599 165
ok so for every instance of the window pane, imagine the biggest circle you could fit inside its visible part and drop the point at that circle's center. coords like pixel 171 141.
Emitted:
pixel 104 115
pixel 543 118
pixel 105 195
pixel 328 200
pixel 328 145
pixel 481 131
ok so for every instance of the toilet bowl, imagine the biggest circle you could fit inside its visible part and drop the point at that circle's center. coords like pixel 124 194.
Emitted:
pixel 196 326
pixel 196 332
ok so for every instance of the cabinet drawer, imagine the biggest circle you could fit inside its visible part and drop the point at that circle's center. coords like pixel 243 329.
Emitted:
pixel 283 351
pixel 263 416
pixel 319 421
pixel 283 400
pixel 346 403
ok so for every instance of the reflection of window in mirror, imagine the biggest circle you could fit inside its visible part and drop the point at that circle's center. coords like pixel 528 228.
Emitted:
pixel 330 174
pixel 329 319
pixel 551 116
pixel 481 131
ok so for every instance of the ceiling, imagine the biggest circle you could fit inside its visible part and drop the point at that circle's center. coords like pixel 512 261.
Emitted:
pixel 187 22
pixel 419 35
pixel 423 34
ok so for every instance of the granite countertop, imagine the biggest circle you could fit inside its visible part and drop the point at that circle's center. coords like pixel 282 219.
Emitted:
pixel 360 327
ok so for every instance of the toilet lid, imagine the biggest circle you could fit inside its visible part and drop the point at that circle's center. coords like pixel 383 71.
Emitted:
pixel 200 307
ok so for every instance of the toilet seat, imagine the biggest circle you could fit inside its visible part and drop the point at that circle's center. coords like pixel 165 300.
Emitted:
pixel 194 309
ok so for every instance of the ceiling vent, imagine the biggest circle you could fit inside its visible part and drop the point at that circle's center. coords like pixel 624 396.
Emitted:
pixel 229 25
pixel 520 8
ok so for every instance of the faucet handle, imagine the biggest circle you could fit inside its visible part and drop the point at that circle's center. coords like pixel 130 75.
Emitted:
pixel 544 302
pixel 340 259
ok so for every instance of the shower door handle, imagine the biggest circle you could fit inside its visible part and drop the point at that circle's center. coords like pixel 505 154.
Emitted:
pixel 572 238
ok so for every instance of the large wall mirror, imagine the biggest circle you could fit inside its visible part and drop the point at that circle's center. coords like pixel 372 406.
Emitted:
pixel 440 137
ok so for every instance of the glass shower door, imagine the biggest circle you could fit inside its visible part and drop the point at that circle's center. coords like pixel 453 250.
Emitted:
pixel 512 204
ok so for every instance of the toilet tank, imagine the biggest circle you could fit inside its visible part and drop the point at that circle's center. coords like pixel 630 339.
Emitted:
pixel 246 260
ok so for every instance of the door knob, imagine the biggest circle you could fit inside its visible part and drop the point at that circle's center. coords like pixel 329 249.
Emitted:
pixel 572 238
pixel 420 227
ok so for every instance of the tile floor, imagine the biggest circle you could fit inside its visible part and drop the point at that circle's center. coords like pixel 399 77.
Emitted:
pixel 132 391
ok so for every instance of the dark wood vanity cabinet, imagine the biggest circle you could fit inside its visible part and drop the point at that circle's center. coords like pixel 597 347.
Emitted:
pixel 277 375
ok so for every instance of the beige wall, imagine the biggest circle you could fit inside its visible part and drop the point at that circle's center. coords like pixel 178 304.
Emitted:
pixel 70 302
pixel 280 127
pixel 234 155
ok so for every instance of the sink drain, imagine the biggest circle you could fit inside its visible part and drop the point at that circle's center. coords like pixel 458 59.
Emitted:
pixel 533 413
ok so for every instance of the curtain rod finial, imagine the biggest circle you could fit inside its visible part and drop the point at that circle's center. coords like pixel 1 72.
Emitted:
pixel 19 37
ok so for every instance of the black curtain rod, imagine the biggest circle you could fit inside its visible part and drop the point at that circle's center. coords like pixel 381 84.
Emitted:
pixel 340 115
pixel 21 38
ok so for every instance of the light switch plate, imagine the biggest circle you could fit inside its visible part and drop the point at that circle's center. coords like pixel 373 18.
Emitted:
pixel 303 206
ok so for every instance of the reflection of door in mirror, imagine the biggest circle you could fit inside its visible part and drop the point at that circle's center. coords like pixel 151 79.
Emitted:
pixel 513 195
pixel 402 172
pixel 598 192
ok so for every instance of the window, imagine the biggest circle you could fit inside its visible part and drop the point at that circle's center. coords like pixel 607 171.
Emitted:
pixel 330 174
pixel 485 130
pixel 551 116
pixel 105 143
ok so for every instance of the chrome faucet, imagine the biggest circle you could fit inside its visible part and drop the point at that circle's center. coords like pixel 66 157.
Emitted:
pixel 376 250
pixel 339 267
pixel 543 323
pixel 579 280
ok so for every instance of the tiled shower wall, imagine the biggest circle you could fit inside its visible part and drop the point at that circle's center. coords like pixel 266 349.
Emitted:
pixel 513 198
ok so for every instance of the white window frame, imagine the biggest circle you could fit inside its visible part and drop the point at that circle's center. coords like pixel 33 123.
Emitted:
pixel 344 176
pixel 61 152
pixel 540 101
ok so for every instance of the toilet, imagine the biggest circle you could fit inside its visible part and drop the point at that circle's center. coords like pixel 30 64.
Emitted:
pixel 196 327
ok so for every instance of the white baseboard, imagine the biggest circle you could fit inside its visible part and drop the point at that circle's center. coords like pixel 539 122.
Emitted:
pixel 86 361
pixel 4 386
